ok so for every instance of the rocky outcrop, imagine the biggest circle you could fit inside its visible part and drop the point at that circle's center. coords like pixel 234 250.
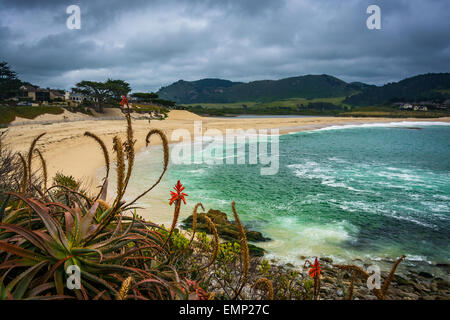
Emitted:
pixel 227 230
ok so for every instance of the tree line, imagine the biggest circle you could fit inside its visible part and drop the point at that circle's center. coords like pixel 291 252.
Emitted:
pixel 97 93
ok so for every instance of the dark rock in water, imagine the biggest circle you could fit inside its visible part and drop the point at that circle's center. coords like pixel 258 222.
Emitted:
pixel 443 285
pixel 443 265
pixel 326 259
pixel 227 230
pixel 217 216
pixel 425 274
pixel 290 265
pixel 253 250
pixel 402 281
pixel 256 251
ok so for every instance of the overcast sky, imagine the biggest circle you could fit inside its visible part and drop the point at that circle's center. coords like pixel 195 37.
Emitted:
pixel 154 43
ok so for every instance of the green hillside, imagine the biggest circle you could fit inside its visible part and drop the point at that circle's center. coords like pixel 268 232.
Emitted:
pixel 432 86
pixel 224 91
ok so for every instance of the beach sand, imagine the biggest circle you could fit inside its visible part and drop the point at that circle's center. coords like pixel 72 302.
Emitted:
pixel 67 150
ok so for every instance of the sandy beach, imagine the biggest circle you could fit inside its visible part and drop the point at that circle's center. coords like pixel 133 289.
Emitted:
pixel 67 149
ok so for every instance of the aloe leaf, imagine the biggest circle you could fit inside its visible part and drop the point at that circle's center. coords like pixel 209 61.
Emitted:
pixel 85 251
pixel 24 284
pixel 21 282
pixel 34 238
pixel 39 289
pixel 52 226
pixel 21 252
pixel 98 280
pixel 2 209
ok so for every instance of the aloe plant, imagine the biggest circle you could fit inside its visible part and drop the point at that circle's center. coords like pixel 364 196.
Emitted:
pixel 38 257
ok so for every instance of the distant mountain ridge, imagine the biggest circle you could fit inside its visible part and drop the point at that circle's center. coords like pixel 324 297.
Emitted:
pixel 417 88
pixel 225 91
pixel 308 87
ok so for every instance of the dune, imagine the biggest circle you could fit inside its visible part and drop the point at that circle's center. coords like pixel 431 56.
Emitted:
pixel 183 115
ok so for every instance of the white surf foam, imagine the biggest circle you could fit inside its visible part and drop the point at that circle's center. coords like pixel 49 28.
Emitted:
pixel 385 124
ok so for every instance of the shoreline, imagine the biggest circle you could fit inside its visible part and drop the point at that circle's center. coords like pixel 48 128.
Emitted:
pixel 68 151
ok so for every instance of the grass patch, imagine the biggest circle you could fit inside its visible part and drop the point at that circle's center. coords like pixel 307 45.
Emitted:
pixel 9 114
pixel 288 103
pixel 302 106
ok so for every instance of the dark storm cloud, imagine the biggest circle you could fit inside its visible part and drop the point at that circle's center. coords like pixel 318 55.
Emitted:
pixel 153 43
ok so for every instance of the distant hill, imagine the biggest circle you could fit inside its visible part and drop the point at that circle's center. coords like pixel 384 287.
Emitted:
pixel 224 91
pixel 431 86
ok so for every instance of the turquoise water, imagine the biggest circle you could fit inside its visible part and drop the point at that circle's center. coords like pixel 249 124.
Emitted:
pixel 372 191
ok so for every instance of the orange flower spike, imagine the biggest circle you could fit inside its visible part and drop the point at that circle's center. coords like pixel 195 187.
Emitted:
pixel 315 270
pixel 178 195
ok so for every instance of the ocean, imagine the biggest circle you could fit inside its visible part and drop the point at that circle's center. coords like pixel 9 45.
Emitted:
pixel 373 191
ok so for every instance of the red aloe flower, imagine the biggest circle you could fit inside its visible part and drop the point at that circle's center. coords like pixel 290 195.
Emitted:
pixel 124 101
pixel 178 195
pixel 315 270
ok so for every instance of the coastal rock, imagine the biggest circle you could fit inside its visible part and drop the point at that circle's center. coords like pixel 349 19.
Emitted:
pixel 402 281
pixel 326 259
pixel 425 275
pixel 227 230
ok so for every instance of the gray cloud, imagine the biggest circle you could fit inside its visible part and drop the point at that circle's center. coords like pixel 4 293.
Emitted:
pixel 154 43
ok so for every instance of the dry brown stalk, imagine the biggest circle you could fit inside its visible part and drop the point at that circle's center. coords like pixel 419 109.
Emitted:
pixel 23 185
pixel 352 284
pixel 105 154
pixel 244 250
pixel 379 293
pixel 129 148
pixel 103 204
pixel 388 280
pixel 126 285
pixel 44 169
pixel 213 229
pixel 194 220
pixel 267 285
pixel 166 161
pixel 118 148
pixel 30 157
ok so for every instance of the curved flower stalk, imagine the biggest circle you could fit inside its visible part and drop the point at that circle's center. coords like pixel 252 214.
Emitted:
pixel 166 162
pixel 107 162
pixel 379 293
pixel 266 284
pixel 194 220
pixel 44 171
pixel 30 157
pixel 245 256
